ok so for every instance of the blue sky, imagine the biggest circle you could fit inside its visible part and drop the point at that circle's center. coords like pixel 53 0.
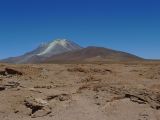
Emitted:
pixel 128 25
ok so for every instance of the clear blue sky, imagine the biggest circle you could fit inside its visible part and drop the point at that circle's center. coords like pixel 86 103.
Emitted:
pixel 128 25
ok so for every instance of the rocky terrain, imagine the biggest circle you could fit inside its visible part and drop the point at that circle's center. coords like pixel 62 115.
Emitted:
pixel 80 91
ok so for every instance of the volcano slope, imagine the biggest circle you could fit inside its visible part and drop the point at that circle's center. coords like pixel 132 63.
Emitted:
pixel 92 54
pixel 80 91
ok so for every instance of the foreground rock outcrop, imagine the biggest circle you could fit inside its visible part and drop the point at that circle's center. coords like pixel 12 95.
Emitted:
pixel 10 71
pixel 38 106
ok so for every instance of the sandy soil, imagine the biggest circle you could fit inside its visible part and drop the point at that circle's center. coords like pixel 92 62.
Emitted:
pixel 80 92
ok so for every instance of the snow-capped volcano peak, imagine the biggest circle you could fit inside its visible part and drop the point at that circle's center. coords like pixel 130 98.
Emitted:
pixel 58 46
pixel 62 42
pixel 46 50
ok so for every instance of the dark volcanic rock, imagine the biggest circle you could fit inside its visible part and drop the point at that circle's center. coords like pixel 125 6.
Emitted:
pixel 3 72
pixel 13 71
pixel 2 88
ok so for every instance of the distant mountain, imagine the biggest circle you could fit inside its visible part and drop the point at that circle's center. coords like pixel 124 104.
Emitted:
pixel 92 54
pixel 44 51
pixel 64 51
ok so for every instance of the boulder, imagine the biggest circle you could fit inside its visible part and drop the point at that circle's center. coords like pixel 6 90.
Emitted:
pixel 13 71
pixel 2 88
pixel 2 72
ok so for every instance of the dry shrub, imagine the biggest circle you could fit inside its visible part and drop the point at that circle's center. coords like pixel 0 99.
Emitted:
pixel 90 78
pixel 83 87
pixel 91 70
pixel 96 88
pixel 77 69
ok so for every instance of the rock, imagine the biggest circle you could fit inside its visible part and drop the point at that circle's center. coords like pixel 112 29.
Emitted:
pixel 13 71
pixel 60 97
pixel 42 112
pixel 139 95
pixel 144 96
pixel 3 72
pixel 12 84
pixel 38 106
pixel 135 99
pixel 2 88
pixel 10 71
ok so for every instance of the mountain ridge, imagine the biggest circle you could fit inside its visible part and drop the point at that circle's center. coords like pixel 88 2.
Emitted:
pixel 93 53
pixel 67 51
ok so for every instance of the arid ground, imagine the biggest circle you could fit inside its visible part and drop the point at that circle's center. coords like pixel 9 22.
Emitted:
pixel 80 91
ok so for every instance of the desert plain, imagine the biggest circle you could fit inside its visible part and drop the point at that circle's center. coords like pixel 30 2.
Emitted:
pixel 114 91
